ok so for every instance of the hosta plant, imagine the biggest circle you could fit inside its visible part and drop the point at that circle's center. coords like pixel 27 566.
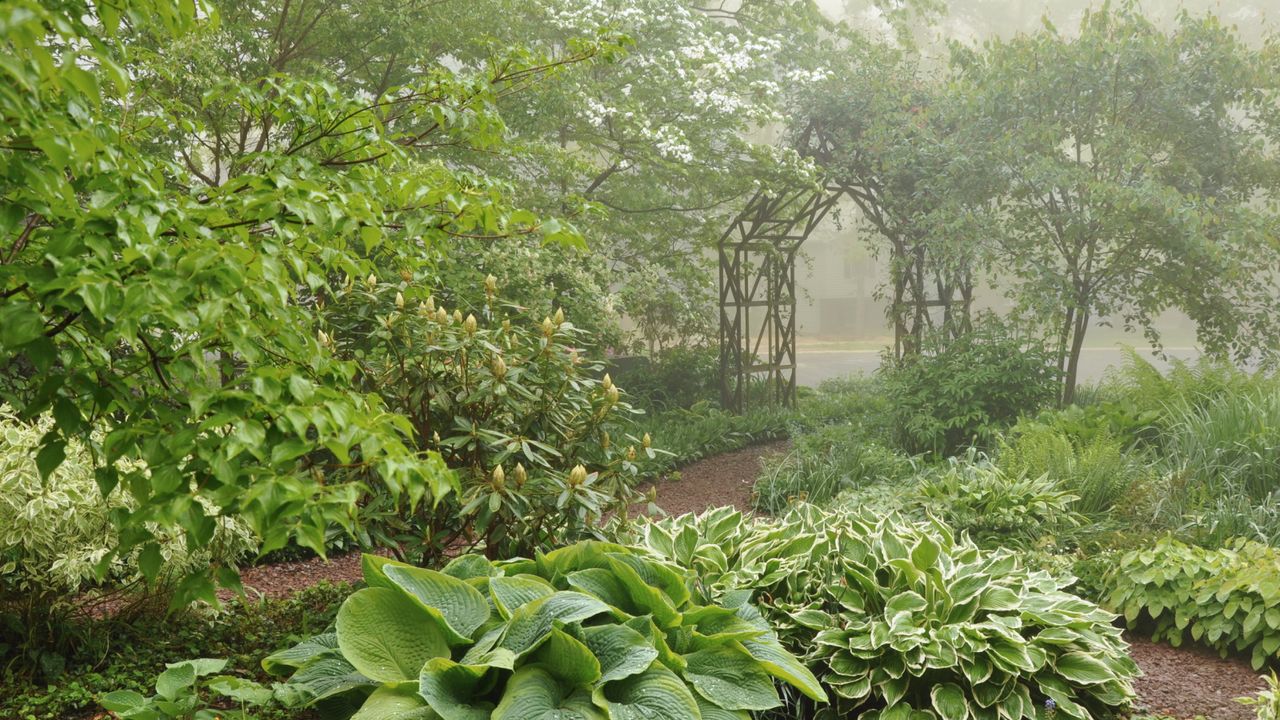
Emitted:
pixel 586 632
pixel 899 618
pixel 996 508
pixel 1228 599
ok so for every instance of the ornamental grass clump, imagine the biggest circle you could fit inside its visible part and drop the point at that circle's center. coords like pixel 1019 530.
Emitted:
pixel 899 618
pixel 586 632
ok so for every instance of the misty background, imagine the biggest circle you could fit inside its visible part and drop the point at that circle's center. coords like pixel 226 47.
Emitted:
pixel 841 316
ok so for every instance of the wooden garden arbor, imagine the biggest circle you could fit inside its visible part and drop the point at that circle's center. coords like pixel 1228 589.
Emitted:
pixel 757 257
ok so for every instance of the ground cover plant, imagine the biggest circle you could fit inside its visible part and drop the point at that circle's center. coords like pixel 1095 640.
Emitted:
pixel 1228 599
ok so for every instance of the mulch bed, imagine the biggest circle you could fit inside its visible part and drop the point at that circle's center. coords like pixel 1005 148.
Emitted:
pixel 724 479
pixel 1191 681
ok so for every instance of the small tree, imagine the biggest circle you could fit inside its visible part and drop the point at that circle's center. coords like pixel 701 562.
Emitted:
pixel 1133 174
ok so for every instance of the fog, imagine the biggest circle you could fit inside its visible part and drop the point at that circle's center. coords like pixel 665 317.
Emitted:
pixel 842 312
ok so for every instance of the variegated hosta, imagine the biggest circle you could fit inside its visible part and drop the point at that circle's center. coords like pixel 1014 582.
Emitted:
pixel 904 618
pixel 591 631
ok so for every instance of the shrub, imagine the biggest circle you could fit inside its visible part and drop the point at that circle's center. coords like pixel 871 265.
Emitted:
pixel 962 393
pixel 1228 599
pixel 57 537
pixel 540 438
pixel 1098 471
pixel 824 463
pixel 997 508
pixel 587 631
pixel 898 617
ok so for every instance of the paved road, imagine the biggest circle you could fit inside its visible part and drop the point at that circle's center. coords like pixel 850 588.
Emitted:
pixel 814 366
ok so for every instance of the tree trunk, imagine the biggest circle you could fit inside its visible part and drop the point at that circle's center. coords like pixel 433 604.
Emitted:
pixel 1073 364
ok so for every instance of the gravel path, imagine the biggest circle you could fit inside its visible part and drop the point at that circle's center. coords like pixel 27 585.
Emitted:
pixel 724 479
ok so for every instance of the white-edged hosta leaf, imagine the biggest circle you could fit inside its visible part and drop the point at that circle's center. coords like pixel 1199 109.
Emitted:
pixel 1082 669
pixel 388 636
pixel 949 701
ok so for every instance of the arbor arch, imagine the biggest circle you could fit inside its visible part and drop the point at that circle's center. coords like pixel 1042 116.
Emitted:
pixel 757 282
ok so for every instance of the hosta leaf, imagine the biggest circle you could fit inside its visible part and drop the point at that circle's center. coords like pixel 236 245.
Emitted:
pixel 451 689
pixel 731 678
pixel 646 598
pixel 466 567
pixel 512 593
pixel 621 651
pixel 532 693
pixel 388 636
pixel 460 607
pixel 399 701
pixel 298 655
pixel 655 694
pixel 715 712
pixel 324 677
pixel 532 623
pixel 568 659
pixel 949 701
pixel 784 666
pixel 1083 669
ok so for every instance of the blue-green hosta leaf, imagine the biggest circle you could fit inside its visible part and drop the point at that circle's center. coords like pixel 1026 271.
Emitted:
pixel 512 593
pixel 783 665
pixel 646 598
pixel 532 623
pixel 562 561
pixel 321 678
pixel 568 659
pixel 466 567
pixel 605 585
pixel 300 654
pixel 387 635
pixel 710 711
pixel 658 639
pixel 1083 669
pixel 655 694
pixel 622 652
pixel 672 583
pixel 532 693
pixel 398 701
pixel 721 624
pixel 949 701
pixel 450 689
pixel 373 567
pixel 731 678
pixel 459 607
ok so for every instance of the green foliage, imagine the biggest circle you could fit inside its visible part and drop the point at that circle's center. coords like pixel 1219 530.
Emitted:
pixel 182 691
pixel 675 378
pixel 539 439
pixel 168 233
pixel 128 653
pixel 824 463
pixel 897 616
pixel 1266 702
pixel 56 537
pixel 588 631
pixel 1099 472
pixel 1111 189
pixel 1228 599
pixel 966 390
pixel 998 508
